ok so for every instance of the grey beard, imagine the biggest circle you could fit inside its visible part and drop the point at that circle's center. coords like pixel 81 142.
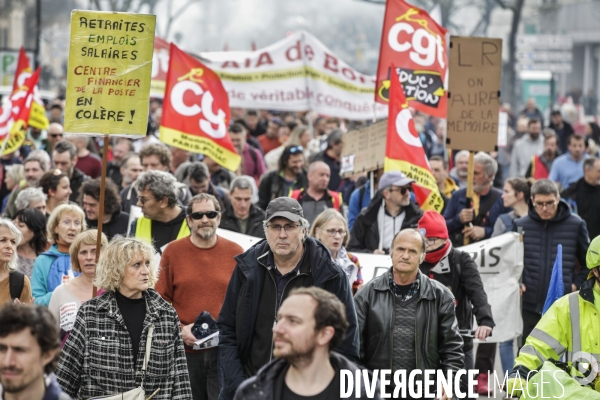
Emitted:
pixel 204 235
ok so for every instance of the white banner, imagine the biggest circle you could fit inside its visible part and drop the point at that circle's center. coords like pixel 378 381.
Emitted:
pixel 500 263
pixel 297 73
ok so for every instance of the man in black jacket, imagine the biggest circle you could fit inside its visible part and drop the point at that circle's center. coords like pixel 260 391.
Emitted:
pixel 548 224
pixel 584 196
pixel 241 215
pixel 458 272
pixel 406 320
pixel 115 221
pixel 310 323
pixel 64 157
pixel 262 279
pixel 289 176
pixel 390 211
pixel 562 128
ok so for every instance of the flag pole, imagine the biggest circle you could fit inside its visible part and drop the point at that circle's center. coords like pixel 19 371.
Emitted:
pixel 469 189
pixel 101 208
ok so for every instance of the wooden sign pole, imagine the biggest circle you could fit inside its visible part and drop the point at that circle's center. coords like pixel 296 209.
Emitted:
pixel 101 206
pixel 469 188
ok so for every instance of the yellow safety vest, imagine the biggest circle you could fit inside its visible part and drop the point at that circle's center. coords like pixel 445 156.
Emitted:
pixel 143 229
pixel 570 326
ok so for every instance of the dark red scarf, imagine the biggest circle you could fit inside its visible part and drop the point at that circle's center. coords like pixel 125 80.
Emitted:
pixel 433 257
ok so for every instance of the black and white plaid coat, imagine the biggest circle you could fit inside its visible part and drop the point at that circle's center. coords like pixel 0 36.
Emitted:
pixel 97 359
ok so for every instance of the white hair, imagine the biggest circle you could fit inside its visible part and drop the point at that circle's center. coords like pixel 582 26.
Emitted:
pixel 7 223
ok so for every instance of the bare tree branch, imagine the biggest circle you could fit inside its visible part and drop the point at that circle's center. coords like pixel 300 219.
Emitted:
pixel 177 14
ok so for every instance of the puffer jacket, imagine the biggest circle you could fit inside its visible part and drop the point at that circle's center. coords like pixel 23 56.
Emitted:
pixel 439 345
pixel 239 313
pixel 97 359
pixel 541 239
pixel 268 385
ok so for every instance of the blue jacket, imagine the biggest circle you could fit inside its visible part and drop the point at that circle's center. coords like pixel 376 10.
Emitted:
pixel 458 202
pixel 357 203
pixel 540 241
pixel 239 313
pixel 48 271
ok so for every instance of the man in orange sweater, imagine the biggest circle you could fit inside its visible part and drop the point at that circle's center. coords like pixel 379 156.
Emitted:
pixel 195 272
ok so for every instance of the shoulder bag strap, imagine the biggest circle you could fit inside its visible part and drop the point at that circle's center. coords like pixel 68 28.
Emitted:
pixel 147 354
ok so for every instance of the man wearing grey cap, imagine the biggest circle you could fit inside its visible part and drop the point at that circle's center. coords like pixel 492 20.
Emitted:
pixel 390 211
pixel 262 279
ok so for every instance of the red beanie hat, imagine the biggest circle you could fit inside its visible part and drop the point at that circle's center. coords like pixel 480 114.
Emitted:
pixel 433 225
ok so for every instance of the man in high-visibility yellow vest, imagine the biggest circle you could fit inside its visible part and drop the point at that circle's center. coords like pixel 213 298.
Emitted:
pixel 570 327
pixel 163 220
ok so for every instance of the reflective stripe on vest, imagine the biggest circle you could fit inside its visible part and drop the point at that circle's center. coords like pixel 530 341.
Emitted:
pixel 143 229
pixel 549 340
pixel 575 324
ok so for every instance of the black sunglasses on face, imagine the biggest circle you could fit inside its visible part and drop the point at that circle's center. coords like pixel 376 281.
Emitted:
pixel 209 214
pixel 402 190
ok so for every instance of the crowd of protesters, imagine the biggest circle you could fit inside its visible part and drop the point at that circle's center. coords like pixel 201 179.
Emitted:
pixel 294 309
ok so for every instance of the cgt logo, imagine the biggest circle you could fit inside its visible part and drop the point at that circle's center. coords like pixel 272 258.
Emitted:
pixel 424 46
pixel 192 82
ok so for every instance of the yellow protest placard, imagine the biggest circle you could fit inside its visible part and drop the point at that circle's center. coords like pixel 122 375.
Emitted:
pixel 108 80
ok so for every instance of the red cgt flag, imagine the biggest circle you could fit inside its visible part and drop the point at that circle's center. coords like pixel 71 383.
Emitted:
pixel 196 111
pixel 15 113
pixel 37 117
pixel 416 44
pixel 404 150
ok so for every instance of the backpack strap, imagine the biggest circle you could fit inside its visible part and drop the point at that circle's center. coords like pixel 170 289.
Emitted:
pixel 16 282
pixel 456 256
pixel 507 221
pixel 485 208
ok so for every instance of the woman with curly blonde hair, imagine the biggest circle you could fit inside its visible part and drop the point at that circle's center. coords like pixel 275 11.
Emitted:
pixel 104 353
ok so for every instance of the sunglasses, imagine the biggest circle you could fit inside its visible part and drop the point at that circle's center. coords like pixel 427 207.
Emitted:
pixel 402 190
pixel 296 149
pixel 55 135
pixel 209 214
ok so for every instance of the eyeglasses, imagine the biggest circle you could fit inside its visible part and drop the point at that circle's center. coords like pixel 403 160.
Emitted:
pixel 287 227
pixel 432 241
pixel 143 200
pixel 541 206
pixel 199 215
pixel 332 232
pixel 402 190
pixel 296 149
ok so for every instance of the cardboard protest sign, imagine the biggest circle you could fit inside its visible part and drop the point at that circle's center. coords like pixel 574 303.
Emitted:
pixel 364 149
pixel 416 44
pixel 474 93
pixel 108 79
pixel 196 111
pixel 404 151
